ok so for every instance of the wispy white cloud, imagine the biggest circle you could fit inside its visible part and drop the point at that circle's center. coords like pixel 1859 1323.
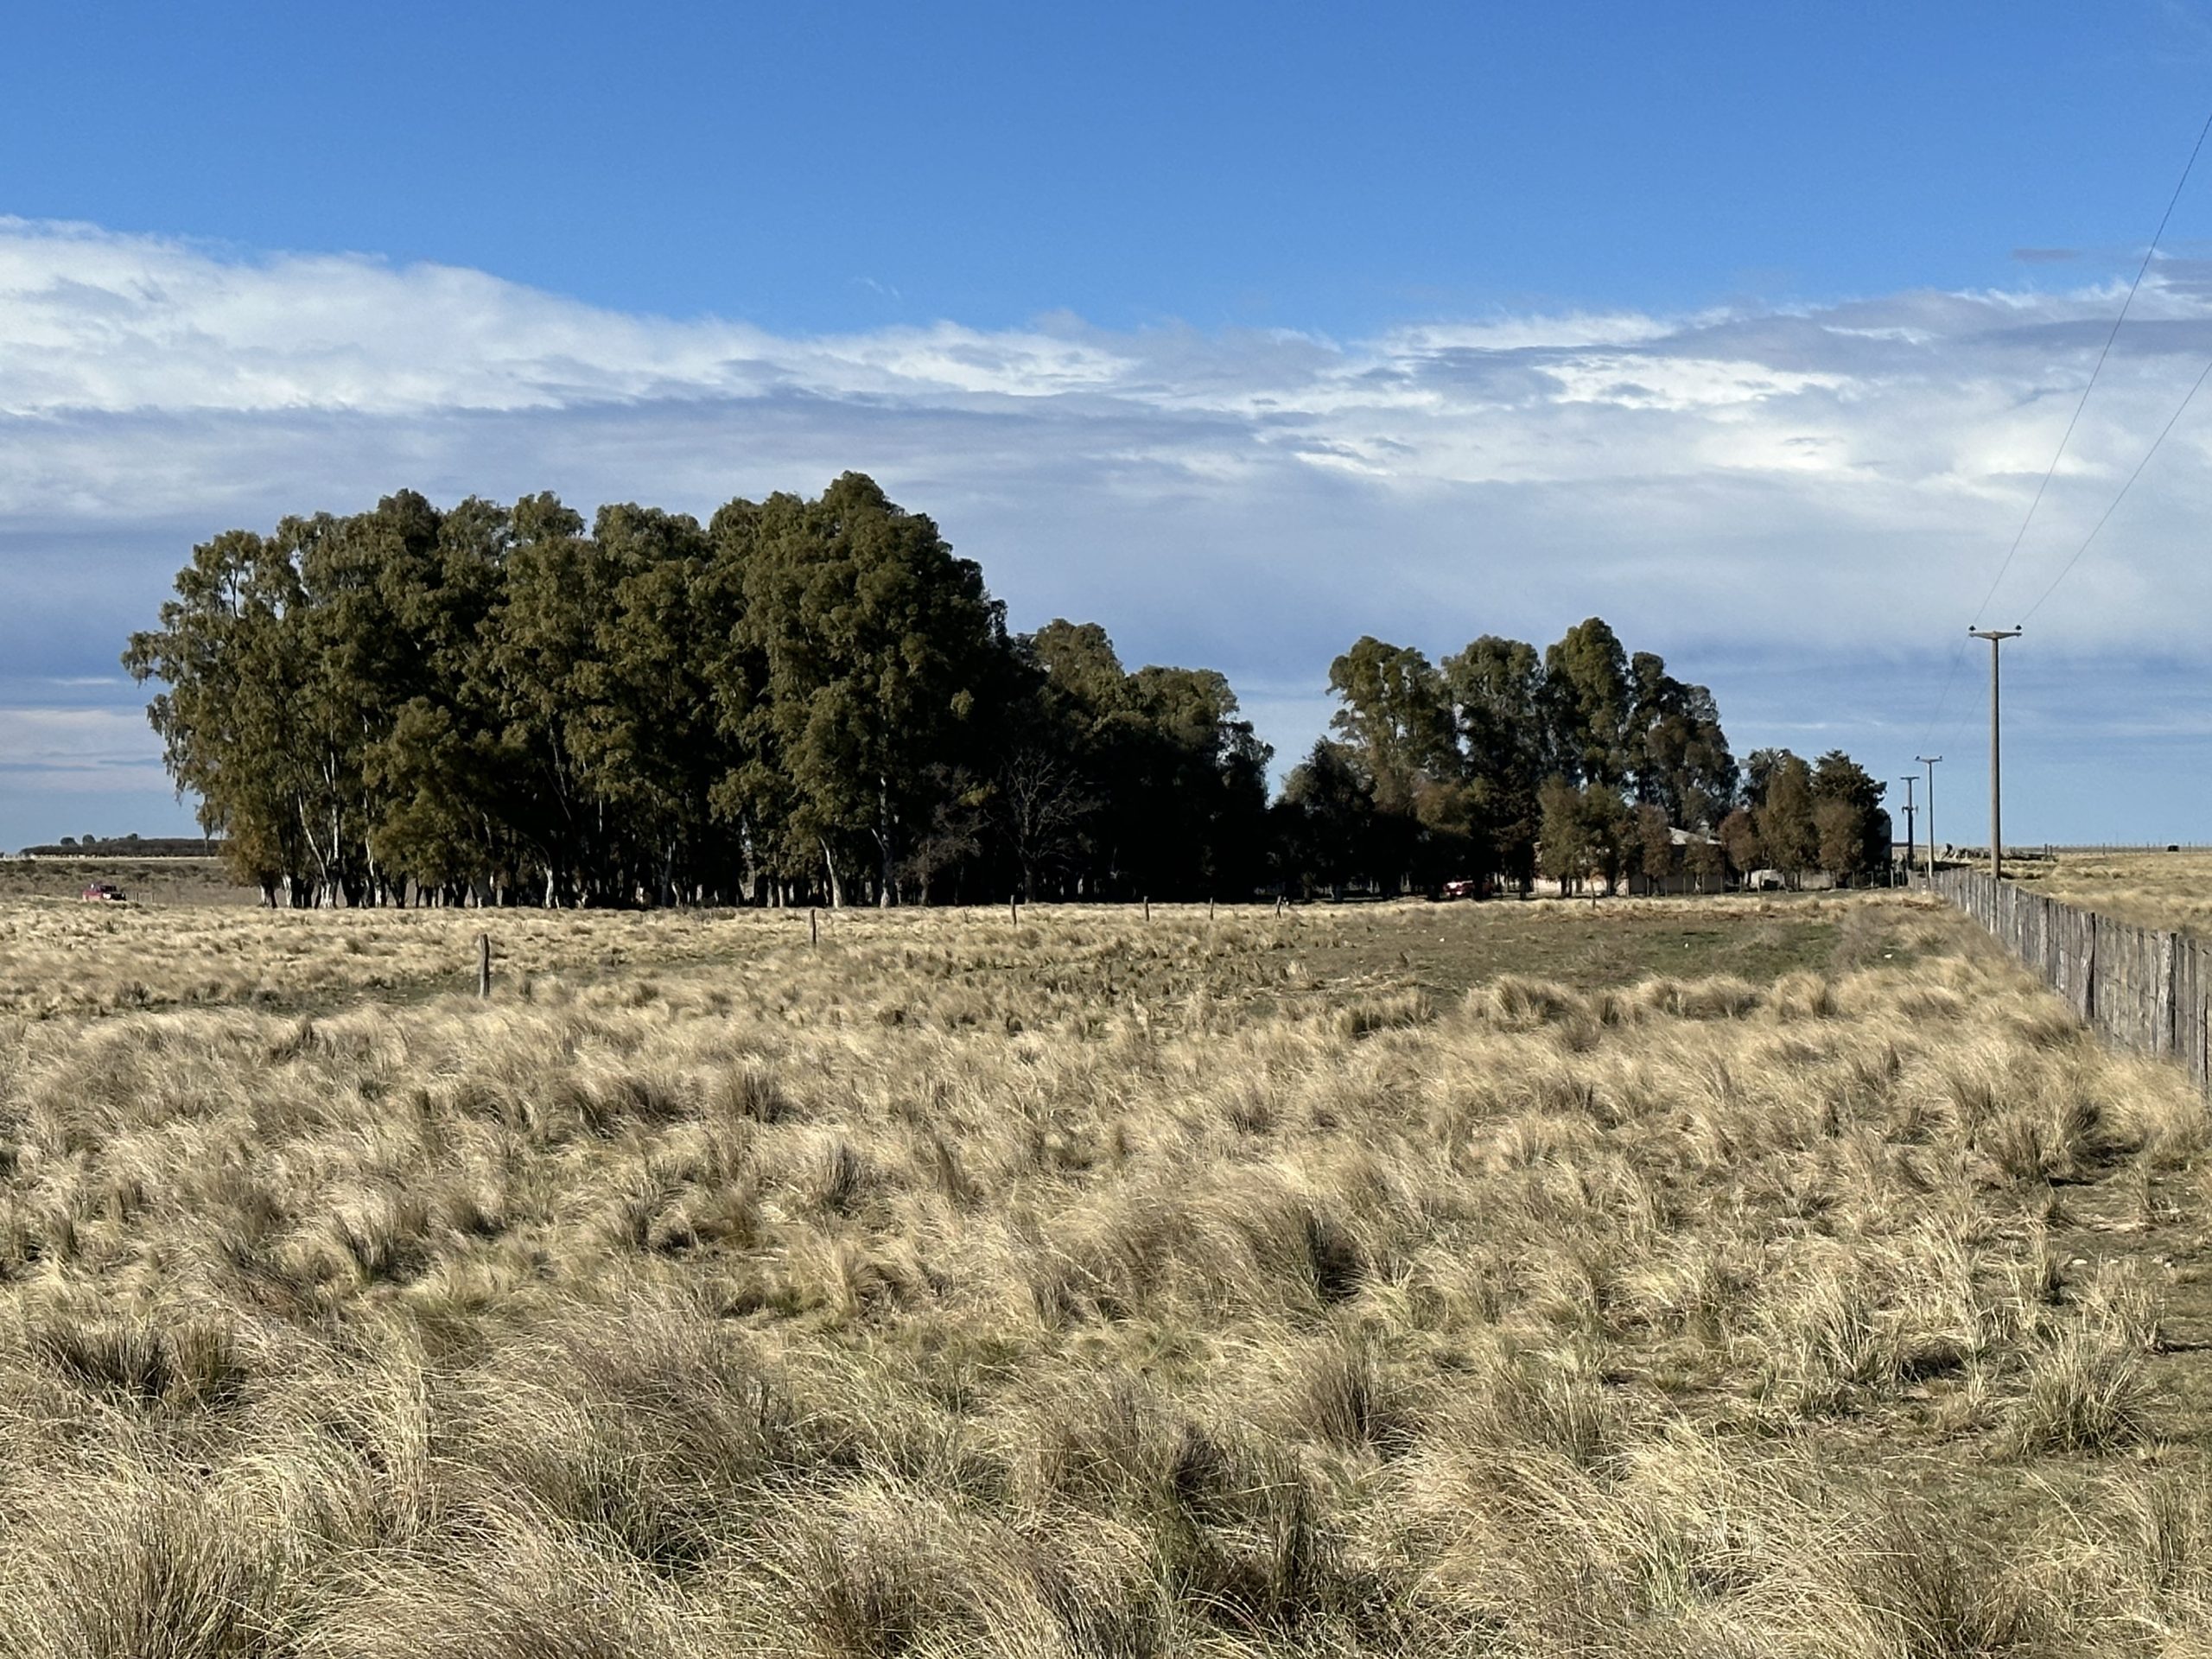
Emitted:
pixel 1845 475
pixel 91 751
pixel 97 322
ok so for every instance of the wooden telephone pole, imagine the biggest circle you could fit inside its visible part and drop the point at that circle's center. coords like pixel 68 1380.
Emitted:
pixel 1996 637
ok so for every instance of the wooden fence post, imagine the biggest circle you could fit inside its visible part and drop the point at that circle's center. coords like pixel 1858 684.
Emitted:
pixel 2169 1031
pixel 483 964
pixel 2093 932
pixel 813 926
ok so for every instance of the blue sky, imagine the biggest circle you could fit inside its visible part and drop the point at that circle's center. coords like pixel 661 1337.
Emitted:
pixel 1241 330
pixel 812 168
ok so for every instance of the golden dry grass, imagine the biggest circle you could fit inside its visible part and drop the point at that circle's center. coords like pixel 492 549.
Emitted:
pixel 61 956
pixel 65 957
pixel 2168 890
pixel 1087 1288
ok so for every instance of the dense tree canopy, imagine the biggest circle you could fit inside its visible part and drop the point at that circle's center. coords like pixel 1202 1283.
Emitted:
pixel 801 700
pixel 1796 817
pixel 806 700
pixel 1509 763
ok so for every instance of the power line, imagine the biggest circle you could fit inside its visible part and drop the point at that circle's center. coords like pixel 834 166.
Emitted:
pixel 2190 396
pixel 2111 507
pixel 1944 695
pixel 2149 253
pixel 1958 655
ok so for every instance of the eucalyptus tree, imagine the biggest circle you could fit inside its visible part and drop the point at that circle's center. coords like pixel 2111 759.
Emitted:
pixel 643 735
pixel 1083 718
pixel 543 666
pixel 1588 695
pixel 1784 817
pixel 1496 689
pixel 1678 756
pixel 873 638
pixel 816 697
pixel 1852 830
pixel 1394 716
pixel 443 783
pixel 1325 820
pixel 228 709
pixel 1156 783
pixel 1202 783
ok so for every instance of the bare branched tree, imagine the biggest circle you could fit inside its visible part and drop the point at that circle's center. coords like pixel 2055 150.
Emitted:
pixel 1042 808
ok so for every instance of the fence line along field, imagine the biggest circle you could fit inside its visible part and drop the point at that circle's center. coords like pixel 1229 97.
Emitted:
pixel 1722 1279
pixel 64 956
pixel 2144 989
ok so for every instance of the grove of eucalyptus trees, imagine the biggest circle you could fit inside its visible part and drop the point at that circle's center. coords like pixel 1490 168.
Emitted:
pixel 1576 761
pixel 814 700
pixel 798 701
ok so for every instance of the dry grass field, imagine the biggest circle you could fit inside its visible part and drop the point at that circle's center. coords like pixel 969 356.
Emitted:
pixel 161 882
pixel 65 957
pixel 1681 1278
pixel 62 957
pixel 2168 890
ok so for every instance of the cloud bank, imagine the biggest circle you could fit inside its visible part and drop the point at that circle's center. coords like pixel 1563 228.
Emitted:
pixel 1751 490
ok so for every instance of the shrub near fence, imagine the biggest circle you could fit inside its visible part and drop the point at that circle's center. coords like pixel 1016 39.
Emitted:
pixel 2143 988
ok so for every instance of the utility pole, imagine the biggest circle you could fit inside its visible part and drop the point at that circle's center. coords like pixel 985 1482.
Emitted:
pixel 1996 637
pixel 1929 761
pixel 1908 781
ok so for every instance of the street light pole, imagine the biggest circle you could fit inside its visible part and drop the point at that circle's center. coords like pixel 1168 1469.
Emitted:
pixel 1929 761
pixel 1996 637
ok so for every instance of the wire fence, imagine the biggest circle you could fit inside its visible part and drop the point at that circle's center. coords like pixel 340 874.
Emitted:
pixel 2143 988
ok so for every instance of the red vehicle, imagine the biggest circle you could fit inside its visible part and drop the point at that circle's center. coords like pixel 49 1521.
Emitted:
pixel 1463 889
pixel 105 892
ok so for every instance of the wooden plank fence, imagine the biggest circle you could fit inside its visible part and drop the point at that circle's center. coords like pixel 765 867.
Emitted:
pixel 2143 988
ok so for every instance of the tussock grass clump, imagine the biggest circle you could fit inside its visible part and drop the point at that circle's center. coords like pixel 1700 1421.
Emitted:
pixel 1518 1004
pixel 1385 1013
pixel 1802 996
pixel 139 1362
pixel 1724 996
pixel 2087 1392
pixel 1080 1288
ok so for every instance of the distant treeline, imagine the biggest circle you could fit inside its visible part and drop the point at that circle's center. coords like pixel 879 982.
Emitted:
pixel 126 847
pixel 807 701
